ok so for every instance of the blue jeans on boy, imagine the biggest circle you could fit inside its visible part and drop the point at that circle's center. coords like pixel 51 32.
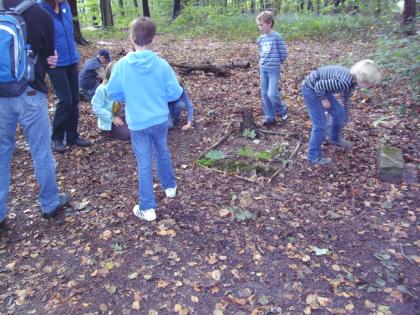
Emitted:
pixel 147 144
pixel 31 112
pixel 319 121
pixel 65 81
pixel 272 104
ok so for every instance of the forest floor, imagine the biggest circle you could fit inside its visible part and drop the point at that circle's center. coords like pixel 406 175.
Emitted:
pixel 333 240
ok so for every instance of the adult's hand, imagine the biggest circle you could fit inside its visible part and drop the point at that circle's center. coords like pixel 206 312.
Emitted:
pixel 117 121
pixel 52 60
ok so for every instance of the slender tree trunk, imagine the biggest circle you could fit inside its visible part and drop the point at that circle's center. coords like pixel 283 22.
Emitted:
pixel 252 6
pixel 106 13
pixel 408 17
pixel 276 7
pixel 146 10
pixel 176 9
pixel 77 32
pixel 136 4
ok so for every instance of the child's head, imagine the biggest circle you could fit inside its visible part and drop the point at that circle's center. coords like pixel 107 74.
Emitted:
pixel 142 31
pixel 108 71
pixel 365 73
pixel 265 17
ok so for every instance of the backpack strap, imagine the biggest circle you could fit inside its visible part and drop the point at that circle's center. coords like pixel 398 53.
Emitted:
pixel 23 6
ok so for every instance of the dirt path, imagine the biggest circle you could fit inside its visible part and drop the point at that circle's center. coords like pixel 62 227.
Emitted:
pixel 332 241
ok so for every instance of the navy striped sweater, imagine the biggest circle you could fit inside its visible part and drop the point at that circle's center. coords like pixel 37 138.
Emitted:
pixel 273 51
pixel 331 80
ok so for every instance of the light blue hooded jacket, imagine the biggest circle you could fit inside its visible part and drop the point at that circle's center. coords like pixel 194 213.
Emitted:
pixel 147 83
pixel 102 107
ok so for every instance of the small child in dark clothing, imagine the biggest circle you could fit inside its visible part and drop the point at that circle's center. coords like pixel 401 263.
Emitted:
pixel 92 74
pixel 175 109
pixel 318 89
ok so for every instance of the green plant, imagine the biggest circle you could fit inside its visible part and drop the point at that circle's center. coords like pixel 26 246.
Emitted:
pixel 249 133
pixel 246 152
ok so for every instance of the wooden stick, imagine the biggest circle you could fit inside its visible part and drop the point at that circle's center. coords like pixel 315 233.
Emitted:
pixel 286 162
pixel 222 139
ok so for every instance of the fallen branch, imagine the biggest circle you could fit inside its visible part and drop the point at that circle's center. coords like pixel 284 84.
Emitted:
pixel 218 70
pixel 286 163
pixel 222 139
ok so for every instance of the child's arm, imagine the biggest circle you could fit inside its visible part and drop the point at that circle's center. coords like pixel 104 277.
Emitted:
pixel 173 89
pixel 282 49
pixel 100 105
pixel 346 103
pixel 190 110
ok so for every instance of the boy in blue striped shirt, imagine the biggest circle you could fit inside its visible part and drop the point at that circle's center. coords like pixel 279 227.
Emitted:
pixel 318 89
pixel 273 53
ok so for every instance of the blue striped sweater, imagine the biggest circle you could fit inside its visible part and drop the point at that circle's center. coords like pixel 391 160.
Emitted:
pixel 331 80
pixel 273 51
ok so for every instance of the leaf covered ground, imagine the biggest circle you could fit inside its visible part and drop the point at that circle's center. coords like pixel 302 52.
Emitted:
pixel 332 240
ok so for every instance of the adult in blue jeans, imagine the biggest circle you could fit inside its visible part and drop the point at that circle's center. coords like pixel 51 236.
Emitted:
pixel 65 78
pixel 28 107
pixel 318 89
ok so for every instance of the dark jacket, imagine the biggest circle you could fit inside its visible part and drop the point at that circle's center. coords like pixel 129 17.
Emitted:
pixel 64 34
pixel 40 30
pixel 88 76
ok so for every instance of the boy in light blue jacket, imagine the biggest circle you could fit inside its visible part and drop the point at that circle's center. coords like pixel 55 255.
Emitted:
pixel 111 116
pixel 147 83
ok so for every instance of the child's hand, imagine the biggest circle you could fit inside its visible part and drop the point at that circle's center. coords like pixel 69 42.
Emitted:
pixel 186 126
pixel 326 103
pixel 52 60
pixel 117 121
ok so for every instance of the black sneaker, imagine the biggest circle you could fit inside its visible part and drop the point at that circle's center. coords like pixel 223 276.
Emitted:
pixel 63 201
pixel 80 142
pixel 3 223
pixel 269 122
pixel 58 146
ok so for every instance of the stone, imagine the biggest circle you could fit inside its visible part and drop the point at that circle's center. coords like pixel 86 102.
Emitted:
pixel 390 164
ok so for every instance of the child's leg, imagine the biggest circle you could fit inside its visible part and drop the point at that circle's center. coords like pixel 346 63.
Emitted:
pixel 274 94
pixel 141 142
pixel 163 157
pixel 336 112
pixel 319 123
pixel 267 107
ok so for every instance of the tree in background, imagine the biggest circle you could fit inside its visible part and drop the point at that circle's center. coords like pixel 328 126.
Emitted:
pixel 176 9
pixel 77 32
pixel 106 14
pixel 408 17
pixel 146 10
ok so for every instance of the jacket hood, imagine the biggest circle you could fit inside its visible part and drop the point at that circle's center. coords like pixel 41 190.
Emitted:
pixel 144 61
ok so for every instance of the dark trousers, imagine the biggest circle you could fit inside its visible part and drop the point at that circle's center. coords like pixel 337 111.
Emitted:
pixel 65 81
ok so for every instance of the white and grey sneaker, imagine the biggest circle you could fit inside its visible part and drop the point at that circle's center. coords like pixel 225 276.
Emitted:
pixel 170 192
pixel 147 215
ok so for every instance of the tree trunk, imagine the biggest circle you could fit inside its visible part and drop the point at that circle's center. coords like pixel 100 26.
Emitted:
pixel 408 17
pixel 106 13
pixel 276 8
pixel 77 32
pixel 176 9
pixel 146 10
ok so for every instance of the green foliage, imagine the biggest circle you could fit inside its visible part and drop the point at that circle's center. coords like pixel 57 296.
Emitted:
pixel 215 155
pixel 246 152
pixel 242 214
pixel 399 57
pixel 247 133
pixel 206 162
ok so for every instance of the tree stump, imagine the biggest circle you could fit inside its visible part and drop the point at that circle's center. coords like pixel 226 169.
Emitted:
pixel 390 164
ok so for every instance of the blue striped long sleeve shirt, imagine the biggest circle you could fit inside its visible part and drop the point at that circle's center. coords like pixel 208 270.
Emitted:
pixel 331 80
pixel 273 50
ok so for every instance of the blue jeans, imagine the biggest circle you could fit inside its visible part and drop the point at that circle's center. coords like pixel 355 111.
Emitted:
pixel 31 113
pixel 175 109
pixel 272 104
pixel 65 81
pixel 319 121
pixel 147 144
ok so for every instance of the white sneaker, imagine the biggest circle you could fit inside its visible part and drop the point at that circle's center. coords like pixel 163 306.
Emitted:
pixel 170 192
pixel 148 215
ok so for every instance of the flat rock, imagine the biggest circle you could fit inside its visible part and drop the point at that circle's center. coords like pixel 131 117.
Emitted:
pixel 390 164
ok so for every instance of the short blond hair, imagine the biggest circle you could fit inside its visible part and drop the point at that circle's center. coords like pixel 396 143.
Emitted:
pixel 108 71
pixel 265 17
pixel 366 72
pixel 142 31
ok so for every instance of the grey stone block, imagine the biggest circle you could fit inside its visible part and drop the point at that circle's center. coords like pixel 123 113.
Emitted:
pixel 390 164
